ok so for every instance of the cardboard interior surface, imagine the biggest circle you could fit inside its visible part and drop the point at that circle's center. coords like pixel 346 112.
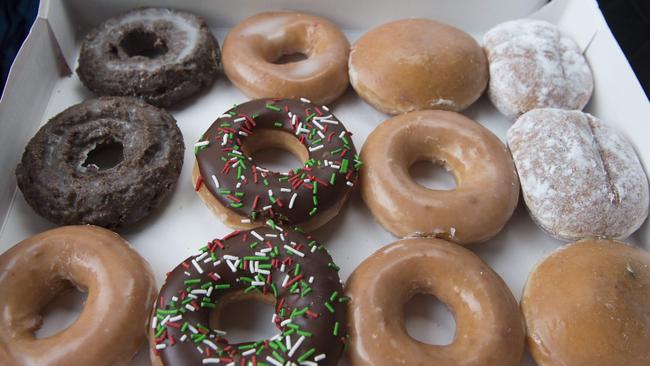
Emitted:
pixel 41 85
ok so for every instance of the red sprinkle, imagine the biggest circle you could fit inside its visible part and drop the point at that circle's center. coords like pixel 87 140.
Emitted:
pixel 198 184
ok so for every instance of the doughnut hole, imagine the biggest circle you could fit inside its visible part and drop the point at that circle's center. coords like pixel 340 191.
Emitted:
pixel 289 57
pixel 141 42
pixel 244 317
pixel 104 155
pixel 428 320
pixel 276 150
pixel 432 175
pixel 62 310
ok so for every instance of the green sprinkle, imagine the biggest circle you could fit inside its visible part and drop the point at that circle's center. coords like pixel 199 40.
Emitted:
pixel 313 211
pixel 310 117
pixel 297 270
pixel 222 286
pixel 273 108
pixel 236 204
pixel 239 194
pixel 333 265
pixel 334 295
pixel 277 356
pixel 208 305
pixel 332 178
pixel 335 331
pixel 329 307
pixel 344 166
pixel 194 281
pixel 306 355
pixel 278 124
pixel 275 290
pixel 253 244
pixel 344 299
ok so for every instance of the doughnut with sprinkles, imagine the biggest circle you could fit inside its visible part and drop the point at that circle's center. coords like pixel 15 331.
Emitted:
pixel 283 266
pixel 244 195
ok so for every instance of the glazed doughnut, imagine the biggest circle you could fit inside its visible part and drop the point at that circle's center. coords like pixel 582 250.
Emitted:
pixel 415 64
pixel 254 48
pixel 157 54
pixel 487 186
pixel 587 304
pixel 244 195
pixel 489 327
pixel 113 323
pixel 533 65
pixel 60 184
pixel 580 178
pixel 284 267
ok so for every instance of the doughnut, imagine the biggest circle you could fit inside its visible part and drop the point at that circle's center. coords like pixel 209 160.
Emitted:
pixel 533 65
pixel 487 186
pixel 61 184
pixel 113 323
pixel 587 304
pixel 282 266
pixel 579 177
pixel 489 327
pixel 244 195
pixel 255 57
pixel 415 64
pixel 157 54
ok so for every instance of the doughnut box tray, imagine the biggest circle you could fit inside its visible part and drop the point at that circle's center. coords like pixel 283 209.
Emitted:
pixel 42 83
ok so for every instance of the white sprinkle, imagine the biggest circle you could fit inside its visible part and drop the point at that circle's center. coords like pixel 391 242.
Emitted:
pixel 285 190
pixel 197 266
pixel 202 143
pixel 236 152
pixel 262 169
pixel 192 296
pixel 282 267
pixel 284 282
pixel 183 338
pixel 266 207
pixel 255 234
pixel 270 193
pixel 209 291
pixel 315 148
pixel 199 349
pixel 287 341
pixel 275 337
pixel 264 271
pixel 305 100
pixel 243 133
pixel 245 221
pixel 349 183
pixel 271 235
pixel 192 329
pixel 308 363
pixel 230 257
pixel 225 116
pixel 325 108
pixel 190 307
pixel 293 120
pixel 199 292
pixel 273 361
pixel 342 134
pixel 319 357
pixel 225 139
pixel 320 134
pixel 240 119
pixel 285 322
pixel 299 128
pixel 281 236
pixel 318 124
pixel 293 199
pixel 296 346
pixel 296 252
pixel 209 361
pixel 174 298
pixel 187 273
pixel 330 121
pixel 311 279
pixel 210 344
pixel 257 283
pixel 249 352
pixel 154 322
pixel 233 266
pixel 313 249
pixel 334 166
pixel 215 180
pixel 160 346
pixel 216 264
pixel 203 255
pixel 238 184
pixel 265 250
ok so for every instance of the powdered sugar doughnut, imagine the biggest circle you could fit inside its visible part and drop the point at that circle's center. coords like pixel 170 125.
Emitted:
pixel 533 65
pixel 579 177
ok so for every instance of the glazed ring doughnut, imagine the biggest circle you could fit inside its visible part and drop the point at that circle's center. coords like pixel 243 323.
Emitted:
pixel 244 195
pixel 113 323
pixel 61 183
pixel 254 48
pixel 487 186
pixel 587 304
pixel 489 326
pixel 159 55
pixel 284 267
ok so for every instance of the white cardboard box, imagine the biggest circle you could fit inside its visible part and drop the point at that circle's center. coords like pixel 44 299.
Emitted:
pixel 40 85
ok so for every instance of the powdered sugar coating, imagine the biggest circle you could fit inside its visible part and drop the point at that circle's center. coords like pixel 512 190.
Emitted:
pixel 579 177
pixel 532 65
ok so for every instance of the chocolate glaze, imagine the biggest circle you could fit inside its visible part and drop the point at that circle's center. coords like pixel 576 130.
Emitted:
pixel 327 176
pixel 322 326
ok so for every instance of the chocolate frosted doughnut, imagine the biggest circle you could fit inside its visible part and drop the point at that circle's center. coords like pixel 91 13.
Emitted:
pixel 60 183
pixel 157 54
pixel 283 266
pixel 244 195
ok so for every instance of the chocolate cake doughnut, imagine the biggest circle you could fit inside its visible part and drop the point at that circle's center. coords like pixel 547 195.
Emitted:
pixel 281 266
pixel 157 54
pixel 580 178
pixel 60 183
pixel 533 65
pixel 244 195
